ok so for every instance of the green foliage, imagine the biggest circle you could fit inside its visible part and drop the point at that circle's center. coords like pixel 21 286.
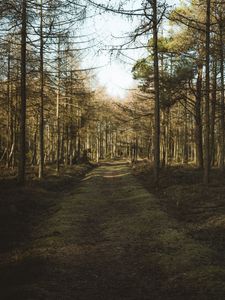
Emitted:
pixel 163 44
pixel 173 77
pixel 142 69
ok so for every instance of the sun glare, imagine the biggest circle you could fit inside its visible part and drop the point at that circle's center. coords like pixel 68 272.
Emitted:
pixel 116 79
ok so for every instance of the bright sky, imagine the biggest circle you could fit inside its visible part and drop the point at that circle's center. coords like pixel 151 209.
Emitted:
pixel 115 75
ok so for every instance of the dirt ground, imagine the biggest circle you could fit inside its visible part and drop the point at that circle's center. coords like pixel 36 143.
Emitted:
pixel 106 238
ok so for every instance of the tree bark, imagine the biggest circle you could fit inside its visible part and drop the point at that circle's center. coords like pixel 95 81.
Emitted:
pixel 213 112
pixel 9 113
pixel 22 148
pixel 222 96
pixel 57 113
pixel 198 118
pixel 156 90
pixel 207 96
pixel 41 124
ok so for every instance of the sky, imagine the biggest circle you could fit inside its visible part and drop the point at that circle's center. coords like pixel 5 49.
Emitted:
pixel 114 71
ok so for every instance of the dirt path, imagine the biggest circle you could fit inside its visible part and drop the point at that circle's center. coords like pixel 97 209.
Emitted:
pixel 110 240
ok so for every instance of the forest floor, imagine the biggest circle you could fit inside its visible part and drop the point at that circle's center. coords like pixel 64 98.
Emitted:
pixel 109 238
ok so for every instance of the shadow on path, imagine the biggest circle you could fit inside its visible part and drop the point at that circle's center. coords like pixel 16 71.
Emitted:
pixel 111 241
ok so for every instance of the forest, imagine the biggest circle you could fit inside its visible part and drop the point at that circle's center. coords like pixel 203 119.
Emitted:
pixel 102 196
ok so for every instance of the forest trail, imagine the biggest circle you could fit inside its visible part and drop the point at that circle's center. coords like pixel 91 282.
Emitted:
pixel 110 240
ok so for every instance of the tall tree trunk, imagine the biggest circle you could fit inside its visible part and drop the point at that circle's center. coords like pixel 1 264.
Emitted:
pixel 57 113
pixel 156 89
pixel 9 113
pixel 207 96
pixel 41 124
pixel 198 118
pixel 106 138
pixel 222 96
pixel 22 148
pixel 213 112
pixel 58 133
pixel 185 137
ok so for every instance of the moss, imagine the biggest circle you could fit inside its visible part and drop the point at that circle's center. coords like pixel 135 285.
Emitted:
pixel 109 238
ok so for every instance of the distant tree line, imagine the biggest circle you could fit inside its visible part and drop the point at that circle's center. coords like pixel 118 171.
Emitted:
pixel 51 112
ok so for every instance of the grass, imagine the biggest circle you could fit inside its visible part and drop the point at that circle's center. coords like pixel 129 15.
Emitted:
pixel 22 208
pixel 109 238
pixel 198 208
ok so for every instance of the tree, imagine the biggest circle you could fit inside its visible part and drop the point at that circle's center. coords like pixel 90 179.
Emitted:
pixel 41 122
pixel 207 95
pixel 156 91
pixel 23 91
